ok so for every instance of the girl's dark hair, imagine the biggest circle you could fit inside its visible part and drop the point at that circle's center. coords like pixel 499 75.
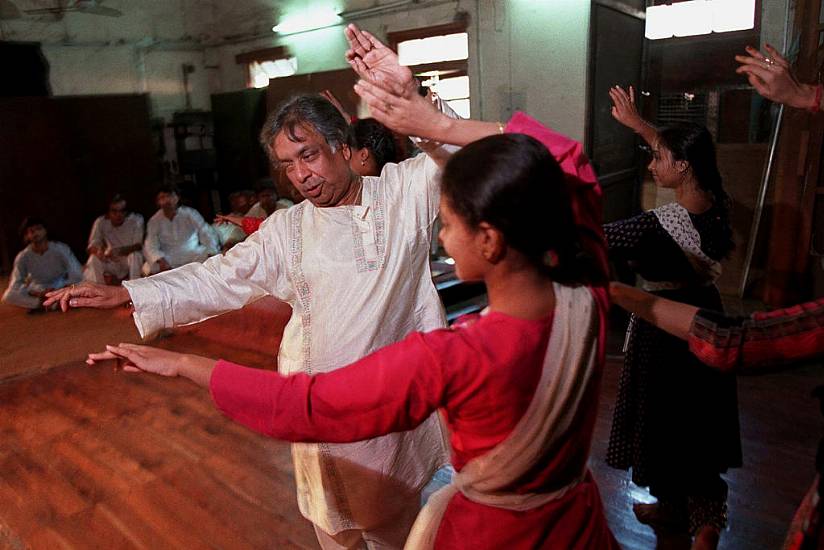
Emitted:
pixel 513 183
pixel 376 137
pixel 693 143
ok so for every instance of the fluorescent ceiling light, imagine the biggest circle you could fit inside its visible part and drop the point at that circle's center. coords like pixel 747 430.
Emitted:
pixel 691 18
pixel 317 18
pixel 697 17
pixel 733 15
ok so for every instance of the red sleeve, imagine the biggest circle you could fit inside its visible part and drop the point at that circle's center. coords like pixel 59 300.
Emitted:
pixel 391 390
pixel 766 339
pixel 581 178
pixel 250 224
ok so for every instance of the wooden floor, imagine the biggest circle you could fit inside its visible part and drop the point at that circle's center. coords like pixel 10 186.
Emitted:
pixel 92 458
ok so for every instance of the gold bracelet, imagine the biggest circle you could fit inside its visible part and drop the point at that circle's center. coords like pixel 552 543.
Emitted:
pixel 500 127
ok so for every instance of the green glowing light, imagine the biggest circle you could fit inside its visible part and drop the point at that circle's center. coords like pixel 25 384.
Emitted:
pixel 317 18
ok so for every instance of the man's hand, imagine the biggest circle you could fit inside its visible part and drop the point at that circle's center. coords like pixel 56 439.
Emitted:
pixel 410 115
pixel 229 218
pixel 772 77
pixel 375 62
pixel 88 295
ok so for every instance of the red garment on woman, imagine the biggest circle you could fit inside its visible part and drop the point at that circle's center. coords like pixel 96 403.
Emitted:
pixel 482 376
pixel 765 339
pixel 251 224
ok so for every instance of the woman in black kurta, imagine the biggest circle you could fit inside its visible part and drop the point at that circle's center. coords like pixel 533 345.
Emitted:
pixel 675 422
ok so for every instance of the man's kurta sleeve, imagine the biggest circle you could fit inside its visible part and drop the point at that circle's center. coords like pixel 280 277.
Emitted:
pixel 198 291
pixel 137 230
pixel 151 247
pixel 394 389
pixel 417 178
pixel 96 235
pixel 205 234
pixel 74 271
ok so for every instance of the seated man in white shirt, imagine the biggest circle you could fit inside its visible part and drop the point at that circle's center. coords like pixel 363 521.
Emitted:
pixel 228 233
pixel 115 245
pixel 268 201
pixel 176 235
pixel 40 267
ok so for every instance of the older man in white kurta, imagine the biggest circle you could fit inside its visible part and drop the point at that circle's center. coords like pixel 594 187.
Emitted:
pixel 356 273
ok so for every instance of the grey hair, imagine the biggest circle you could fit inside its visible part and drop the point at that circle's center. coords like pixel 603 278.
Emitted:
pixel 311 110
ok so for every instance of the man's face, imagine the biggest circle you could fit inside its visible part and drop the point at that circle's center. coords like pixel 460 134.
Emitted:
pixel 167 201
pixel 318 173
pixel 268 199
pixel 117 213
pixel 35 234
pixel 239 203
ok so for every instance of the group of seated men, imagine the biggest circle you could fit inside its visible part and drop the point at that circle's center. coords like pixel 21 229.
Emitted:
pixel 117 250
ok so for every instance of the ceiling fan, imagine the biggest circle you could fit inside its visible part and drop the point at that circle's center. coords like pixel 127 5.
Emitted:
pixel 93 7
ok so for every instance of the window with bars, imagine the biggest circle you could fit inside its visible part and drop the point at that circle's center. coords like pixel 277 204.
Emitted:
pixel 682 107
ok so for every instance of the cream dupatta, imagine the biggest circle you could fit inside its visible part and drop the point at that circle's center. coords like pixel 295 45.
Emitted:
pixel 570 367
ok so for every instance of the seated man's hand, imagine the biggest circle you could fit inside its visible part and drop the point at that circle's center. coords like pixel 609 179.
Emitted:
pixel 229 218
pixel 88 295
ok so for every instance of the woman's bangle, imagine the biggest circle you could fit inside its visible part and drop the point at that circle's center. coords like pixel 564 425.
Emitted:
pixel 819 89
pixel 501 127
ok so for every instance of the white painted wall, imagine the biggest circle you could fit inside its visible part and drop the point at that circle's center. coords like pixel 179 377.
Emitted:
pixel 527 55
pixel 524 55
pixel 533 58
pixel 140 52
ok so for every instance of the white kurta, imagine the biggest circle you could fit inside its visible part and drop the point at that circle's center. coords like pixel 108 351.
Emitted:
pixel 107 236
pixel 358 279
pixel 183 239
pixel 55 268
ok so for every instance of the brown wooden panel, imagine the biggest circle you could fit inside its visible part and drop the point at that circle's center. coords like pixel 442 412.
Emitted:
pixel 64 157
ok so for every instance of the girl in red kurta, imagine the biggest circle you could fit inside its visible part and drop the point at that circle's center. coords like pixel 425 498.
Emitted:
pixel 517 386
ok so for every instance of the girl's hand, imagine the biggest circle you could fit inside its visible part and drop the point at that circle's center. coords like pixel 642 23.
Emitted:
pixel 136 358
pixel 163 362
pixel 772 78
pixel 623 108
